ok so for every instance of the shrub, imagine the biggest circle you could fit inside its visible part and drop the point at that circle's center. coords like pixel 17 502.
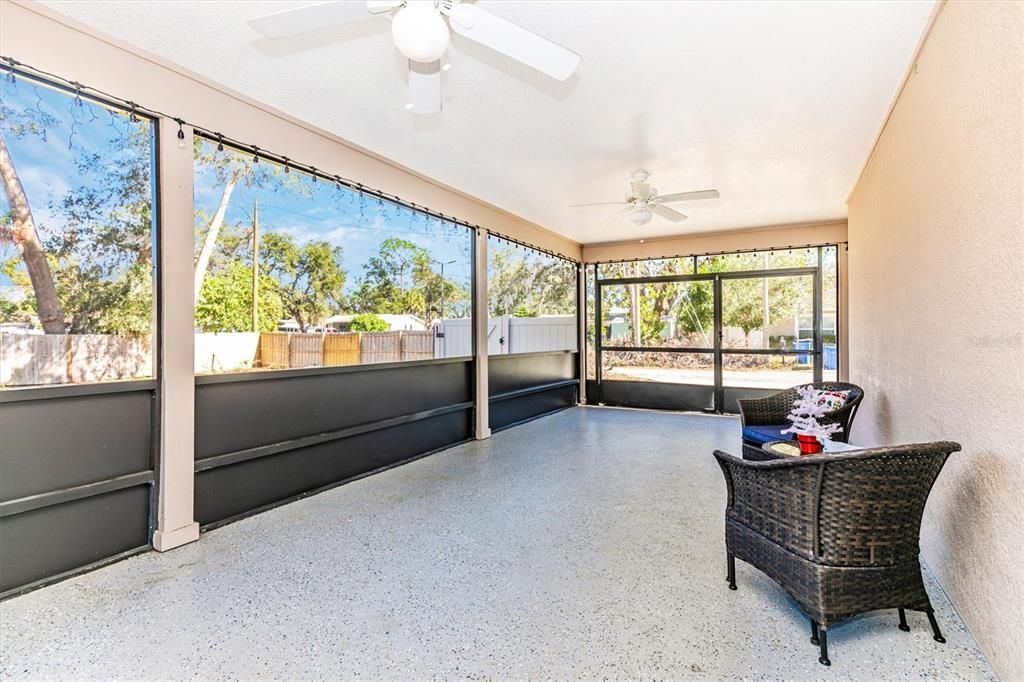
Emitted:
pixel 368 322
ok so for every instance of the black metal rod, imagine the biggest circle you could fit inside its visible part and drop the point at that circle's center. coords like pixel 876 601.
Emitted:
pixel 818 314
pixel 718 334
pixel 59 82
pixel 903 621
pixel 78 492
pixel 239 456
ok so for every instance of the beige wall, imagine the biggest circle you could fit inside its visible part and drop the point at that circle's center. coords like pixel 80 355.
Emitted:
pixel 29 33
pixel 936 246
pixel 778 236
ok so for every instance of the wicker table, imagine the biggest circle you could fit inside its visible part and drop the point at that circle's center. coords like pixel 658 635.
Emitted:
pixel 780 449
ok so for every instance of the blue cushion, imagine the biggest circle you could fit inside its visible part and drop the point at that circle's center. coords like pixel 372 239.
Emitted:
pixel 766 434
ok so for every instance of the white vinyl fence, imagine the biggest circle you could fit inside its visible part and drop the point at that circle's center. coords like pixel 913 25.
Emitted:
pixel 506 335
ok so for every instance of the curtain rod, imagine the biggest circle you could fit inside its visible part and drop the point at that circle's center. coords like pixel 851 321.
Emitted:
pixel 720 253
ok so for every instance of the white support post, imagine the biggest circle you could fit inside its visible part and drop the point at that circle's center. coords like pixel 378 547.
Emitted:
pixel 581 329
pixel 481 319
pixel 175 516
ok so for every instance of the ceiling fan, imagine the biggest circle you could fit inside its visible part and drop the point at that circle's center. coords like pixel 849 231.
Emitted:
pixel 643 201
pixel 420 29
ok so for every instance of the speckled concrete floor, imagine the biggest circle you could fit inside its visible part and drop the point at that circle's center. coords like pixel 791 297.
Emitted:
pixel 583 545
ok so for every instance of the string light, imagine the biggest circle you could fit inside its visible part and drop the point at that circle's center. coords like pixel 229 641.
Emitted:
pixel 133 116
pixel 312 171
pixel 287 169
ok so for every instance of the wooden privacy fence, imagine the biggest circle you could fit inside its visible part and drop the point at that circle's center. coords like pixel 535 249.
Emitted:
pixel 39 359
pixel 282 349
pixel 341 349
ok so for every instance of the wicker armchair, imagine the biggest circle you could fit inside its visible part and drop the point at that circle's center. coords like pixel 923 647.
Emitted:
pixel 772 411
pixel 838 532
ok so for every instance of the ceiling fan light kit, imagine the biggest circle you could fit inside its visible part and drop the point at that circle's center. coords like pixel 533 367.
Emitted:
pixel 421 30
pixel 641 215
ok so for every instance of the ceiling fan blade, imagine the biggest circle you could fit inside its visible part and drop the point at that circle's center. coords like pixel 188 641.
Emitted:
pixel 601 203
pixel 292 22
pixel 618 214
pixel 667 213
pixel 689 196
pixel 425 87
pixel 513 41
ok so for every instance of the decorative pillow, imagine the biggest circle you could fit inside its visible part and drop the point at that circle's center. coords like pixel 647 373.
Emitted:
pixel 831 400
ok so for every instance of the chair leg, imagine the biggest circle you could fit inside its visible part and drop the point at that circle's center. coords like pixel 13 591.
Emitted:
pixel 731 567
pixel 814 633
pixel 823 646
pixel 903 621
pixel 936 633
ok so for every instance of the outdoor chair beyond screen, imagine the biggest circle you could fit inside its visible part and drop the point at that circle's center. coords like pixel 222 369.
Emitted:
pixel 839 532
pixel 764 419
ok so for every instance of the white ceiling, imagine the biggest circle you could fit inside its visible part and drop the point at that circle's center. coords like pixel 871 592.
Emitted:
pixel 775 104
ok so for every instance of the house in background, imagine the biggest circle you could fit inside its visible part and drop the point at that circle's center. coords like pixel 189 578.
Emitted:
pixel 406 323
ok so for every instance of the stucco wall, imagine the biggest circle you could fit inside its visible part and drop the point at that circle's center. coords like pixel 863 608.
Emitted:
pixel 936 246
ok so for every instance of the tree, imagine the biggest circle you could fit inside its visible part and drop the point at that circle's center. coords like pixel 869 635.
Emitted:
pixel 368 322
pixel 309 278
pixel 525 281
pixel 225 304
pixel 99 246
pixel 229 169
pixel 400 280
pixel 19 225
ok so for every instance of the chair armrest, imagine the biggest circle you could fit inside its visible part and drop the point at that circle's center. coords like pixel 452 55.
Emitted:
pixel 777 498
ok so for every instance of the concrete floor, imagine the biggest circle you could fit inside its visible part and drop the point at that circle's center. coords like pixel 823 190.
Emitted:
pixel 587 544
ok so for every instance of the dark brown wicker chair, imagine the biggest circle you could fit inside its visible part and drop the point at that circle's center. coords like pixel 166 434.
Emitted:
pixel 839 532
pixel 772 411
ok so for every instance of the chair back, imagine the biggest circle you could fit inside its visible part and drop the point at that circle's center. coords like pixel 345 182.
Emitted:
pixel 870 503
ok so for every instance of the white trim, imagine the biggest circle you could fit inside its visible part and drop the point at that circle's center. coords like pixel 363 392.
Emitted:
pixel 175 515
pixel 481 319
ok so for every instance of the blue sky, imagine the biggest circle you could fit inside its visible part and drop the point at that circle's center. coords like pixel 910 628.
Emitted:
pixel 321 211
pixel 318 211
pixel 46 166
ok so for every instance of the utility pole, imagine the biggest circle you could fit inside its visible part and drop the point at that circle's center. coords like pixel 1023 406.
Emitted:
pixel 442 264
pixel 255 265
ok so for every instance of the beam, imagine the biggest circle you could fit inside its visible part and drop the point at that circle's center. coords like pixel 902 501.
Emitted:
pixel 481 321
pixel 175 522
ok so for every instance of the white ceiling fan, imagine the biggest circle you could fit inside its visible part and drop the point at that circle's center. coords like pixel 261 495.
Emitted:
pixel 421 34
pixel 643 201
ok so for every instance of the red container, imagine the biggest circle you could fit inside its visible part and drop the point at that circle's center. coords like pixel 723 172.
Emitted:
pixel 809 445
